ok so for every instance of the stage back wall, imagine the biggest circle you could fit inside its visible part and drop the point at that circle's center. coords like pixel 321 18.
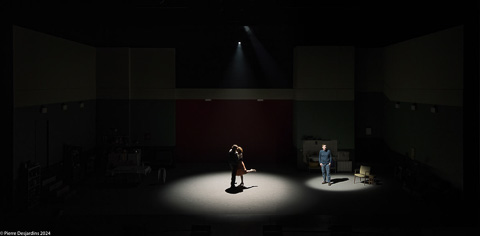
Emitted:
pixel 205 130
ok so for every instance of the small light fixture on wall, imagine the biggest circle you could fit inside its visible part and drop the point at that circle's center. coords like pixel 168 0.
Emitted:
pixel 43 109
pixel 413 107
pixel 82 105
pixel 208 99
pixel 397 105
pixel 259 100
pixel 368 131
pixel 433 109
pixel 64 107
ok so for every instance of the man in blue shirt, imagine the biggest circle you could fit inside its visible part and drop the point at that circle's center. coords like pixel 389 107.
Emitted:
pixel 325 160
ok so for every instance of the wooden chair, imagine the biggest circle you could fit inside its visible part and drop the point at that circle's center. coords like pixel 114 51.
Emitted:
pixel 363 172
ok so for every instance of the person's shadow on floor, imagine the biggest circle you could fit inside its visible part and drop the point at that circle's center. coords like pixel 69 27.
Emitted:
pixel 338 180
pixel 238 189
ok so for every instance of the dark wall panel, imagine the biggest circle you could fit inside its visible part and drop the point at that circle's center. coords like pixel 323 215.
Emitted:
pixel 434 139
pixel 369 113
pixel 206 130
pixel 326 120
pixel 112 118
pixel 6 73
pixel 39 137
pixel 153 122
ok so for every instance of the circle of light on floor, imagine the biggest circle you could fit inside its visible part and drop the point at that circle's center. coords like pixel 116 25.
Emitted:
pixel 340 182
pixel 206 194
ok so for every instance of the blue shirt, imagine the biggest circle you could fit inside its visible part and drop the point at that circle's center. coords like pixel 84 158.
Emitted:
pixel 325 157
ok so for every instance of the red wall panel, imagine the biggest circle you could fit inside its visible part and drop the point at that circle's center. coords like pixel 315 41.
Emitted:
pixel 206 130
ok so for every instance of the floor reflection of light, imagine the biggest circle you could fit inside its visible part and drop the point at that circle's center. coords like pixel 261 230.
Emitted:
pixel 206 194
pixel 340 182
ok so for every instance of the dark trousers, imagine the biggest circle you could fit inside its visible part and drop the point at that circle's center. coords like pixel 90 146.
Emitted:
pixel 233 166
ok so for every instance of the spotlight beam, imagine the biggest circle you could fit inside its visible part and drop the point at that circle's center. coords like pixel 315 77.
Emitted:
pixel 269 67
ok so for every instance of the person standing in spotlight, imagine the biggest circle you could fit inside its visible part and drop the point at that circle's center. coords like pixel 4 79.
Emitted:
pixel 233 163
pixel 325 160
pixel 241 169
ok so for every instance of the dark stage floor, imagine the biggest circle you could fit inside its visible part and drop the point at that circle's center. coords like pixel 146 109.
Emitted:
pixel 280 200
